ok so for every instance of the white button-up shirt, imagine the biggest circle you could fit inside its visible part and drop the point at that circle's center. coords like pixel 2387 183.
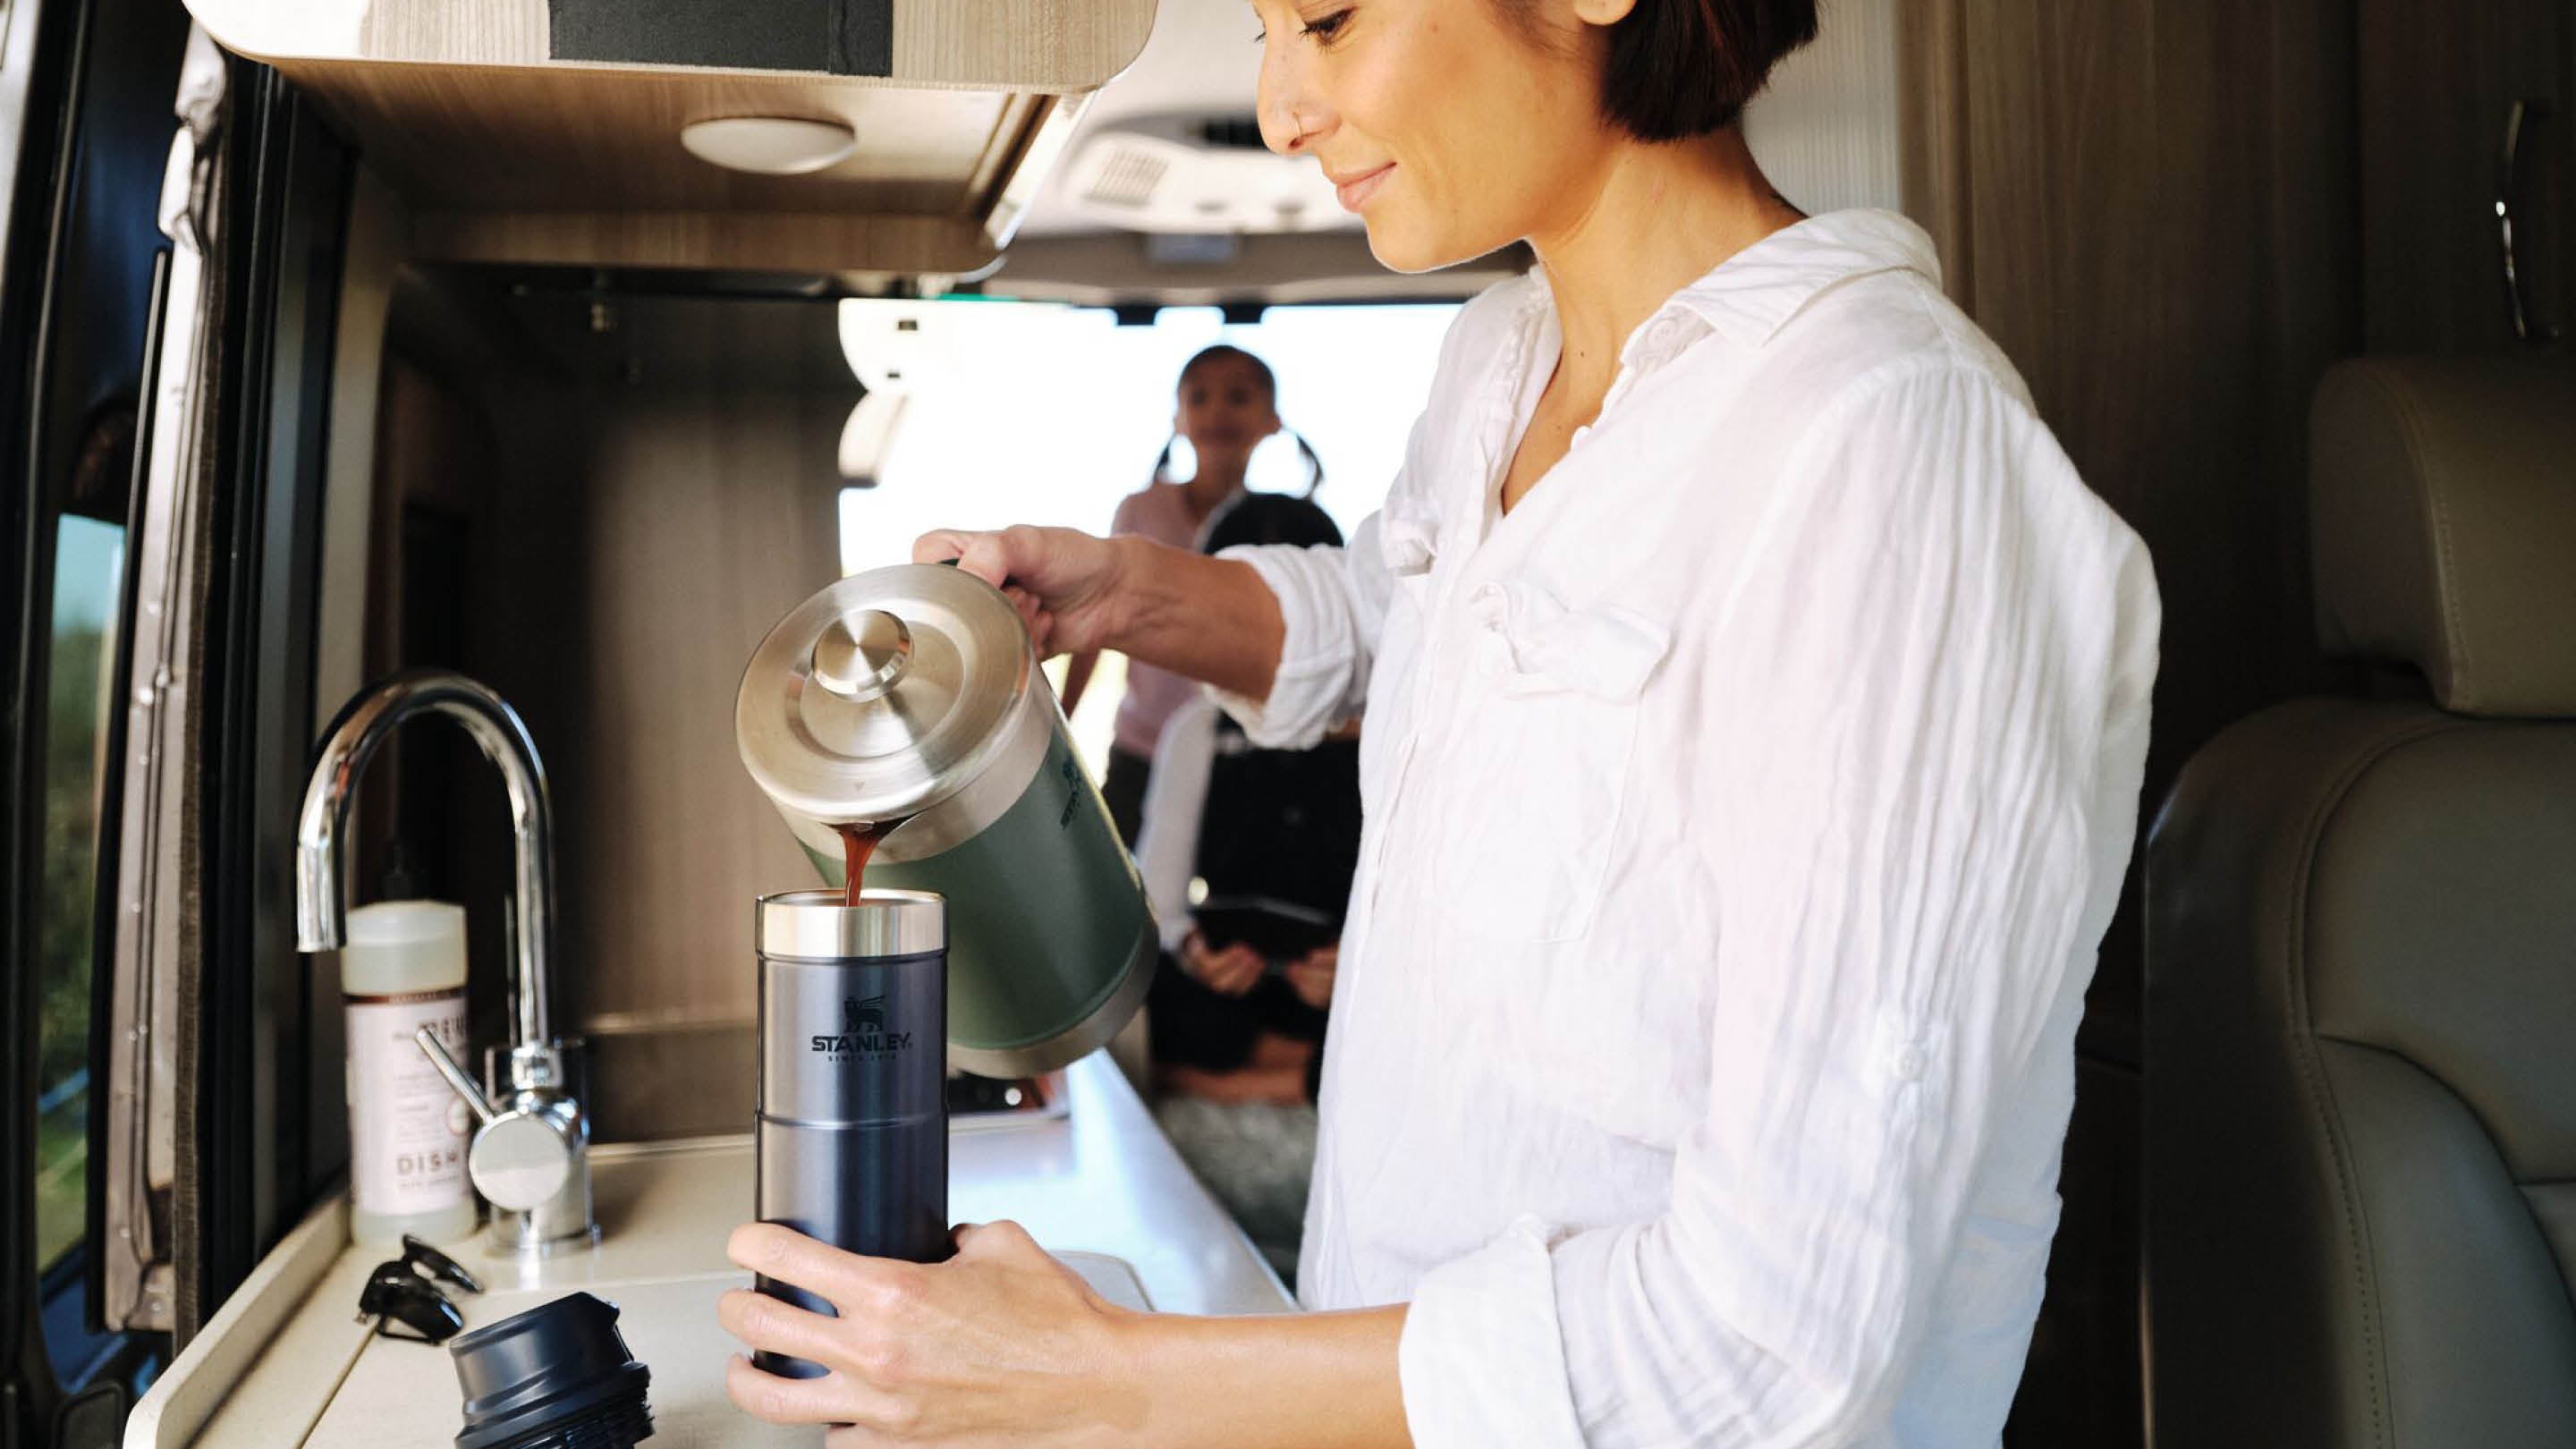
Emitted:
pixel 1744 810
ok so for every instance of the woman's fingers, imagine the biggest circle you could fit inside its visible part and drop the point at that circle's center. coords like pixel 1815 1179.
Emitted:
pixel 1033 613
pixel 827 1400
pixel 767 1325
pixel 988 556
pixel 788 1256
pixel 939 546
pixel 1001 1238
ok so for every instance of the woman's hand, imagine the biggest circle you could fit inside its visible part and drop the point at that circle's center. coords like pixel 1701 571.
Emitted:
pixel 1230 972
pixel 999 1345
pixel 1311 975
pixel 1064 582
pixel 1003 1347
pixel 1208 619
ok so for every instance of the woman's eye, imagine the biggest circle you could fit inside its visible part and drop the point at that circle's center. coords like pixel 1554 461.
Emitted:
pixel 1327 27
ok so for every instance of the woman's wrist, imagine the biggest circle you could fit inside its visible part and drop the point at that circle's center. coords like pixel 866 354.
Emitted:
pixel 1286 1381
pixel 1204 618
pixel 1129 592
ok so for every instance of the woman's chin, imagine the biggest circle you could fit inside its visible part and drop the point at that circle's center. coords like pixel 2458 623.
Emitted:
pixel 1411 249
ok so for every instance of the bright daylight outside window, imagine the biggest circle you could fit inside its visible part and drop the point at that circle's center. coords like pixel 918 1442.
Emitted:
pixel 1028 413
pixel 88 573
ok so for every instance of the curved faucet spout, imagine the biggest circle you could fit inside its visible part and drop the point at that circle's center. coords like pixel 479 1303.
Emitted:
pixel 321 904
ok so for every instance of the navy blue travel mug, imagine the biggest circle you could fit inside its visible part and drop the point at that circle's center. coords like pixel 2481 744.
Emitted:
pixel 850 1133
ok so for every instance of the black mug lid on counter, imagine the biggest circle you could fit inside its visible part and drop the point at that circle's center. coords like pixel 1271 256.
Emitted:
pixel 555 1377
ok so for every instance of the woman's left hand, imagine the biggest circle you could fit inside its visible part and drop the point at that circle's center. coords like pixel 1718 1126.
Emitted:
pixel 1001 1344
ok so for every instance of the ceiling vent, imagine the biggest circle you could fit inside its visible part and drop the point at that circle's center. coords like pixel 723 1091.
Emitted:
pixel 1196 174
pixel 1126 176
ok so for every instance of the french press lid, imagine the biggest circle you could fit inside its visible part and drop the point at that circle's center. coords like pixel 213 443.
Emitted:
pixel 883 695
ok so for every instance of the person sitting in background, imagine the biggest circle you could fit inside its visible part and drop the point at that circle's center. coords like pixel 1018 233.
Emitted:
pixel 1247 855
pixel 1228 406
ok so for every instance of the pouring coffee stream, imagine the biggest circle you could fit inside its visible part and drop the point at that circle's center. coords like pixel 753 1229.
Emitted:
pixel 858 842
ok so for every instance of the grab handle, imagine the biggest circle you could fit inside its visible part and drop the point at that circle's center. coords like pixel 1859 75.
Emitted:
pixel 2508 191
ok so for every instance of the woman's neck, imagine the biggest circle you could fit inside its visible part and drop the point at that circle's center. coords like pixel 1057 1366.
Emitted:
pixel 1661 218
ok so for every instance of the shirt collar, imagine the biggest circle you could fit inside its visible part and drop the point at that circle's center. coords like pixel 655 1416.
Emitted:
pixel 1750 296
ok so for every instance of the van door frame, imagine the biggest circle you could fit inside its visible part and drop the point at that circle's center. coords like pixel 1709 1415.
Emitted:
pixel 253 1039
pixel 53 83
pixel 35 86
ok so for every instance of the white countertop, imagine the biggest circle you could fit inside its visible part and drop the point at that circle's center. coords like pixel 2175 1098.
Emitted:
pixel 285 1362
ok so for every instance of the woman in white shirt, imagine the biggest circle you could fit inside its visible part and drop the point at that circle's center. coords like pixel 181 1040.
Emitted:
pixel 1756 703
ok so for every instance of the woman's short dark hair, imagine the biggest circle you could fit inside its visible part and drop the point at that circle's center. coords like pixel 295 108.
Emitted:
pixel 1682 68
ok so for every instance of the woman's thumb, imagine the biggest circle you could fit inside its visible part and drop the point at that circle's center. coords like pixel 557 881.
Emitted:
pixel 939 546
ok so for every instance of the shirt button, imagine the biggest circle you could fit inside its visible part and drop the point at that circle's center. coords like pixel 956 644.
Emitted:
pixel 1907 1063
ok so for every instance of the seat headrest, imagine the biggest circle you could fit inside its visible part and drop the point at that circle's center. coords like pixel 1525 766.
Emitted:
pixel 2442 510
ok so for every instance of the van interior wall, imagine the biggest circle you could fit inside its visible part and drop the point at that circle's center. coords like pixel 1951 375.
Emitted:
pixel 713 509
pixel 600 516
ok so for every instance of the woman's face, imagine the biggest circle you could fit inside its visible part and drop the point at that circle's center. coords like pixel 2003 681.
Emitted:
pixel 1449 129
pixel 1225 411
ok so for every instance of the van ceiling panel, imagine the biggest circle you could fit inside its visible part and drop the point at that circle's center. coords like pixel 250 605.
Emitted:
pixel 507 150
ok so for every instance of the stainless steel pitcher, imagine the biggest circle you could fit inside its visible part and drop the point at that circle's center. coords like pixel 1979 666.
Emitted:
pixel 912 695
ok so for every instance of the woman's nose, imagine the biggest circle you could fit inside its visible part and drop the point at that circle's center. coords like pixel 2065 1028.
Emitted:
pixel 1292 116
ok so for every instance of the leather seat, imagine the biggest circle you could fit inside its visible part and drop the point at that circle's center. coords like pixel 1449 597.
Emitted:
pixel 2361 963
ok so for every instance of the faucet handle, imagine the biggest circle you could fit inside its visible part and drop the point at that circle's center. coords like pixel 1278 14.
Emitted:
pixel 521 1157
pixel 472 1095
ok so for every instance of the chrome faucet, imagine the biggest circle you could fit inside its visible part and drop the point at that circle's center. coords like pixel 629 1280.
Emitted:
pixel 531 1152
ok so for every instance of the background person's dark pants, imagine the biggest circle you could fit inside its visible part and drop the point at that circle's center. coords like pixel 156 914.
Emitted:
pixel 1124 790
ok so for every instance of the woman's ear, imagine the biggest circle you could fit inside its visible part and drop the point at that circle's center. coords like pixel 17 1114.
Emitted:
pixel 1603 13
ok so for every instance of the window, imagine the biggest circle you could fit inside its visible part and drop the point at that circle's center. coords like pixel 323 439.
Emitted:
pixel 1089 406
pixel 89 559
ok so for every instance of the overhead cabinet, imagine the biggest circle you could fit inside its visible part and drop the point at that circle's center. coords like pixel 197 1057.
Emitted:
pixel 897 136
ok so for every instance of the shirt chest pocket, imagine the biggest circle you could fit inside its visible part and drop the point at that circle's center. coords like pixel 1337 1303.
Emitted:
pixel 1537 762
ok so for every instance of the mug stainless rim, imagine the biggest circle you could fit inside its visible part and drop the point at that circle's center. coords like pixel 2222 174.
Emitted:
pixel 819 925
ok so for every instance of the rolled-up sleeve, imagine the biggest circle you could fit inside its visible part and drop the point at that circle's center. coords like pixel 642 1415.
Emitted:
pixel 1333 602
pixel 1938 643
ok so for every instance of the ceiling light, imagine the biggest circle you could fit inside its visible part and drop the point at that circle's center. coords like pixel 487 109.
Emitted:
pixel 770 145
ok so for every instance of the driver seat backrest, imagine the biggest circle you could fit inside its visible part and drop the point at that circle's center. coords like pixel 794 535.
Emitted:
pixel 2361 962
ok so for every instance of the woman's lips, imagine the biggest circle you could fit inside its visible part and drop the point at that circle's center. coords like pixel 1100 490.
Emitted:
pixel 1355 193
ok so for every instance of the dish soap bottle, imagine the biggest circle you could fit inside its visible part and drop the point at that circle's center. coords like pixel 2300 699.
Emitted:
pixel 402 969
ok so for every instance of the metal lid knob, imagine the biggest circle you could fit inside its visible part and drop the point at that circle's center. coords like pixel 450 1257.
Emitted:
pixel 861 655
